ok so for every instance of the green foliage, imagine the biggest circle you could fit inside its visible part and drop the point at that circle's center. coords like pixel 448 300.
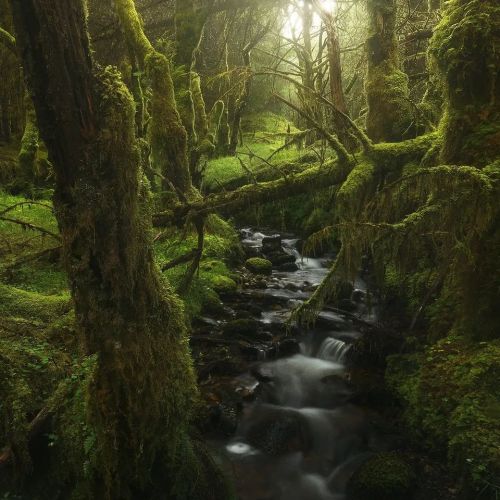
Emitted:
pixel 221 248
pixel 451 398
pixel 34 358
pixel 263 134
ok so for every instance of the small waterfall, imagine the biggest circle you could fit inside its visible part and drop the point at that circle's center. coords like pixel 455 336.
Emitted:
pixel 333 350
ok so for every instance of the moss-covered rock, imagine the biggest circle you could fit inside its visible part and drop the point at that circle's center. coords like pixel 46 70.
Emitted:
pixel 223 285
pixel 257 265
pixel 211 303
pixel 385 476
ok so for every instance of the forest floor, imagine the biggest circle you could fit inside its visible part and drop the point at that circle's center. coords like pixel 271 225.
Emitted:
pixel 38 345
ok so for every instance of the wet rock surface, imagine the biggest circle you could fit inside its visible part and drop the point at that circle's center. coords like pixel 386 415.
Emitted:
pixel 281 405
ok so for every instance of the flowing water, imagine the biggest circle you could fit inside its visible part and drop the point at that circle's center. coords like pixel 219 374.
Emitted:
pixel 301 438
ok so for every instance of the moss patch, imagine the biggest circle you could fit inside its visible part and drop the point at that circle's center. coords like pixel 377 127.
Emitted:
pixel 386 476
pixel 257 265
pixel 451 396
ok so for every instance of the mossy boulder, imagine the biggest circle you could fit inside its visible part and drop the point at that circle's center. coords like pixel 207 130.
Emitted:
pixel 223 285
pixel 258 265
pixel 211 303
pixel 385 476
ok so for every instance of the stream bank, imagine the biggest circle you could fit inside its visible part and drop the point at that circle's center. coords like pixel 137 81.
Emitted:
pixel 297 414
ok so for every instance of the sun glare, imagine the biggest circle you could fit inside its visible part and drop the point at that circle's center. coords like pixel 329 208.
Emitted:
pixel 328 5
pixel 293 22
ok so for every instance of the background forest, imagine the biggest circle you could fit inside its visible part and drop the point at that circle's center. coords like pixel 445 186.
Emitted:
pixel 138 137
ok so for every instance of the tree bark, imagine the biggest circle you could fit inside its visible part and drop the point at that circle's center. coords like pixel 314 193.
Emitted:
pixel 389 117
pixel 341 127
pixel 465 50
pixel 169 144
pixel 142 384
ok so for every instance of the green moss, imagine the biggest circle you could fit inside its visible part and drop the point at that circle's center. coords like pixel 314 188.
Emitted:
pixel 451 395
pixel 390 115
pixel 20 303
pixel 223 284
pixel 212 303
pixel 464 50
pixel 385 476
pixel 259 266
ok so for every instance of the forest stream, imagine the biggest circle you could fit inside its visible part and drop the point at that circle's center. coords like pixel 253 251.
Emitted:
pixel 161 338
pixel 299 435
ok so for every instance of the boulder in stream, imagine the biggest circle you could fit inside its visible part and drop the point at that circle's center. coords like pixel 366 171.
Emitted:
pixel 258 265
pixel 271 243
pixel 246 327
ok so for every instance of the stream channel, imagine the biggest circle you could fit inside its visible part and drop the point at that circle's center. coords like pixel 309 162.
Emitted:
pixel 299 434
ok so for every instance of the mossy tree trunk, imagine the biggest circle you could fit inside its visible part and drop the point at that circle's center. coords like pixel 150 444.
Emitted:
pixel 305 56
pixel 190 20
pixel 11 83
pixel 139 400
pixel 389 117
pixel 465 49
pixel 169 146
pixel 29 147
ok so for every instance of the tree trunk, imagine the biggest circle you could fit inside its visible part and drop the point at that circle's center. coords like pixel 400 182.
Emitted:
pixel 139 397
pixel 189 24
pixel 11 82
pixel 167 135
pixel 465 49
pixel 341 127
pixel 389 116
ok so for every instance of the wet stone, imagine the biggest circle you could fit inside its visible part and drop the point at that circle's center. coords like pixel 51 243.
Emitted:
pixel 271 243
pixel 288 347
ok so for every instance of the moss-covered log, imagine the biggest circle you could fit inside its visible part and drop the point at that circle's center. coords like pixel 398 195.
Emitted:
pixel 129 321
pixel 387 158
